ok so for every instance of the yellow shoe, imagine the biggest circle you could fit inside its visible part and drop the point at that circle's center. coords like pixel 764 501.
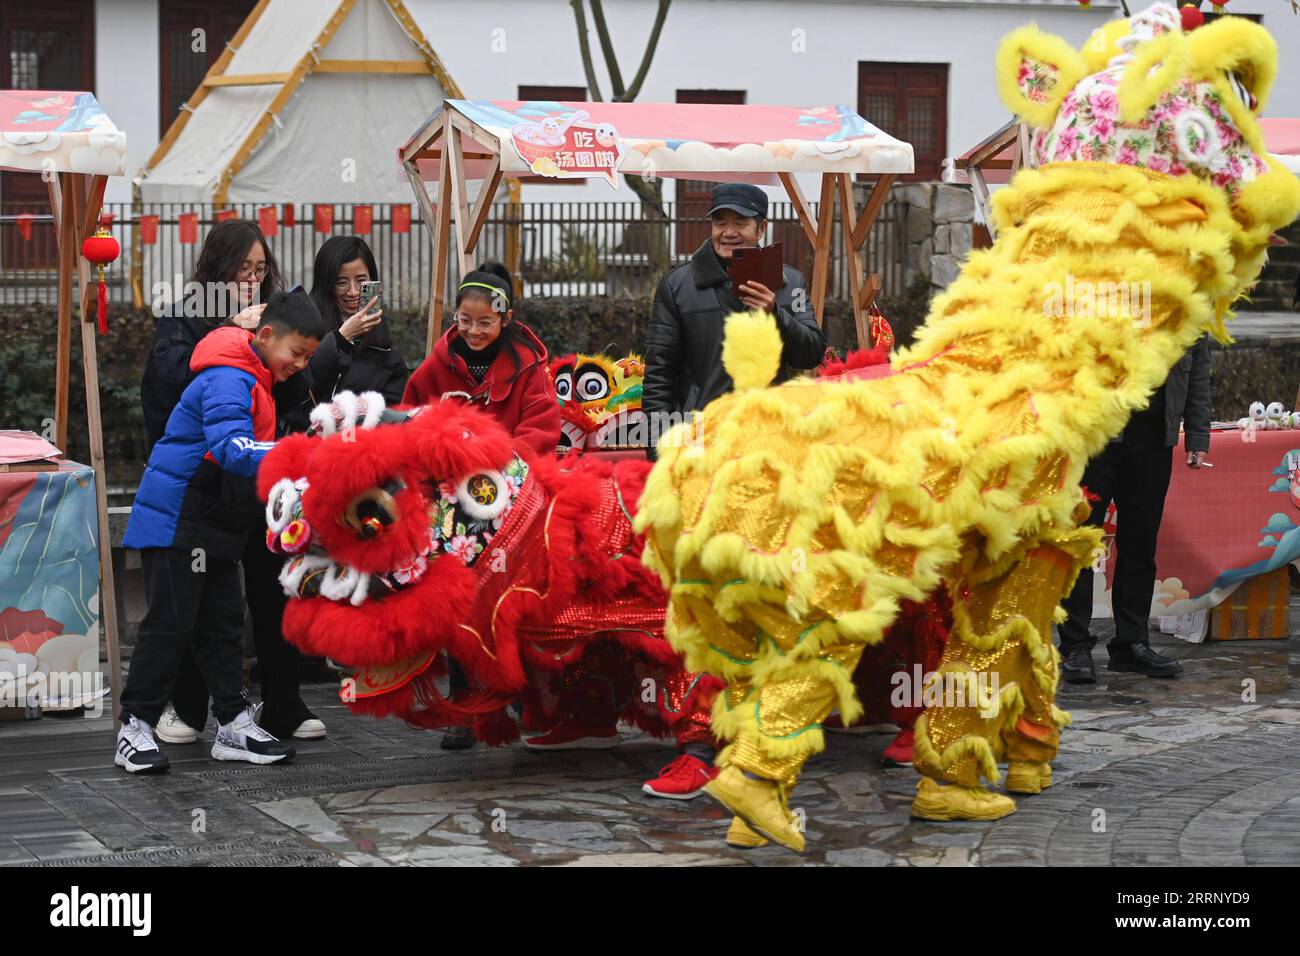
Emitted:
pixel 742 837
pixel 936 801
pixel 1028 777
pixel 759 804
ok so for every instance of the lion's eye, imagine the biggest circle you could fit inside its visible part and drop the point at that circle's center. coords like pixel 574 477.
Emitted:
pixel 591 383
pixel 370 513
pixel 1242 91
pixel 482 495
pixel 564 386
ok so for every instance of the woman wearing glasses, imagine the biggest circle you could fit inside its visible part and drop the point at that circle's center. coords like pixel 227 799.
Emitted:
pixel 358 355
pixel 493 361
pixel 234 276
pixel 490 360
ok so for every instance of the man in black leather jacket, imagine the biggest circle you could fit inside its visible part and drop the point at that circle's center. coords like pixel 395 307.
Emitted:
pixel 683 353
pixel 1133 471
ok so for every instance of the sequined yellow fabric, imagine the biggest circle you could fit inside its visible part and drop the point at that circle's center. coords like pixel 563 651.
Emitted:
pixel 790 530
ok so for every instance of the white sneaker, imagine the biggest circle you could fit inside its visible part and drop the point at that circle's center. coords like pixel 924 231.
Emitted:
pixel 137 751
pixel 310 729
pixel 172 730
pixel 242 739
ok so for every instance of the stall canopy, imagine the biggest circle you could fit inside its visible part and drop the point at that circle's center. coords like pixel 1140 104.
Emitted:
pixel 493 139
pixel 1282 137
pixel 58 131
pixel 67 138
pixel 303 106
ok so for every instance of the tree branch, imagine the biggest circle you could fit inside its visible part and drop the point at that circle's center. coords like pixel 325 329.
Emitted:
pixel 580 19
pixel 651 44
pixel 616 88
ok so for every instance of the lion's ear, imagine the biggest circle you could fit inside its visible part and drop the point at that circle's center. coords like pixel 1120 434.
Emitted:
pixel 1156 68
pixel 1102 45
pixel 1035 72
pixel 1235 47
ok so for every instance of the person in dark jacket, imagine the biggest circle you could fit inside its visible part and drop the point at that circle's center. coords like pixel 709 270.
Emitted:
pixel 683 355
pixel 190 521
pixel 1133 471
pixel 358 354
pixel 234 276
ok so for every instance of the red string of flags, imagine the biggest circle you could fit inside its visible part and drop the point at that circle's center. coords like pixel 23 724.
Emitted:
pixel 269 219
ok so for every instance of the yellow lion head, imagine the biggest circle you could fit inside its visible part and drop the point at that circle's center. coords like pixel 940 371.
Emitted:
pixel 1144 93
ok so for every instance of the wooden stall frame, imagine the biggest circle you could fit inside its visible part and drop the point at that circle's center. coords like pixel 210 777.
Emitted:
pixel 75 203
pixel 444 145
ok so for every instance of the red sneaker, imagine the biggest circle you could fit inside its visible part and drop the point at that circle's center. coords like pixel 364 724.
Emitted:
pixel 901 750
pixel 571 736
pixel 683 779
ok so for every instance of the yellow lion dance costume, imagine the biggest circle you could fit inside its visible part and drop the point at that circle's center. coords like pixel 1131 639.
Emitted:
pixel 792 520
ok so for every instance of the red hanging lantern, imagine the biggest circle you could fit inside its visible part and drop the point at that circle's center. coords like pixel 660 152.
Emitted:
pixel 1192 17
pixel 101 249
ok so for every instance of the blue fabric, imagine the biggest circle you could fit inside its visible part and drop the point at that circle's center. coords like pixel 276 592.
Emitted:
pixel 214 415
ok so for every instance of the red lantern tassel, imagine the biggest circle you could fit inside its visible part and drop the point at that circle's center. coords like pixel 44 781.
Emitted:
pixel 102 310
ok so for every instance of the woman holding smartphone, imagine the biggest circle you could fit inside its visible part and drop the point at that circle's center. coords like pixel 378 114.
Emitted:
pixel 358 354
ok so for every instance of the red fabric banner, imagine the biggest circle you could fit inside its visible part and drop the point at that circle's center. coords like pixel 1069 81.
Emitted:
pixel 401 218
pixel 189 227
pixel 288 216
pixel 268 221
pixel 325 219
pixel 148 230
pixel 224 214
pixel 25 226
pixel 362 219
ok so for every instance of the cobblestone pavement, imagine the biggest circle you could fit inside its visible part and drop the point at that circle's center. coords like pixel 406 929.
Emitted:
pixel 1189 771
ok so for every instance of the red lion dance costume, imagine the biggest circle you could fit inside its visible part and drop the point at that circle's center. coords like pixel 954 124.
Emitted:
pixel 408 534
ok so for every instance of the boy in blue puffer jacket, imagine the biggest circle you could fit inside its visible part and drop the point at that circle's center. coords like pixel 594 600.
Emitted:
pixel 196 505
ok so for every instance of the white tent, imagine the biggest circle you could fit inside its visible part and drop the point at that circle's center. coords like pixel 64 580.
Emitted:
pixel 305 105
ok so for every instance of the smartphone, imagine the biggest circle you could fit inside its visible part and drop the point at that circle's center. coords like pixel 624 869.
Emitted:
pixel 369 290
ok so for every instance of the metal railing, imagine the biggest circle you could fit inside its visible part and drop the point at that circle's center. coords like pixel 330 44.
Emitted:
pixel 564 248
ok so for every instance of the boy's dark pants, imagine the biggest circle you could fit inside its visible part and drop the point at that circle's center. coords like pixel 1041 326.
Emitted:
pixel 189 611
pixel 279 661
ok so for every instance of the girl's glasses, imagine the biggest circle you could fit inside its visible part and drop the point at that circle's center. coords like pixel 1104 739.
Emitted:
pixel 464 323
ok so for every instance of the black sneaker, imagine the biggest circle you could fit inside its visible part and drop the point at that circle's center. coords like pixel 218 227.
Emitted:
pixel 242 739
pixel 1141 659
pixel 1077 667
pixel 457 738
pixel 137 751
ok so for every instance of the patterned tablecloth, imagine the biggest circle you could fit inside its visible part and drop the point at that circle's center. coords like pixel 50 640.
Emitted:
pixel 49 586
pixel 1221 527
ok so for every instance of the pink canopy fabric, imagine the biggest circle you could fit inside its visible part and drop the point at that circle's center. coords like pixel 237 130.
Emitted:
pixel 62 131
pixel 698 141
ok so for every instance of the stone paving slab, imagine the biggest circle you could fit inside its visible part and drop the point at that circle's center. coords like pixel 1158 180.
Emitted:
pixel 1194 771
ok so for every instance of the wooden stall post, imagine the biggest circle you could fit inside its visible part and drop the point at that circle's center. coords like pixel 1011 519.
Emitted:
pixel 458 199
pixel 61 199
pixel 77 221
pixel 849 221
pixel 822 247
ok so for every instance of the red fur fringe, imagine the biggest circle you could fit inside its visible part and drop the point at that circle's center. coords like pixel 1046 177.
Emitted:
pixel 858 358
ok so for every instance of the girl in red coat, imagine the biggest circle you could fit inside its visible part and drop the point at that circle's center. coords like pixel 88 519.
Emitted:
pixel 490 360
